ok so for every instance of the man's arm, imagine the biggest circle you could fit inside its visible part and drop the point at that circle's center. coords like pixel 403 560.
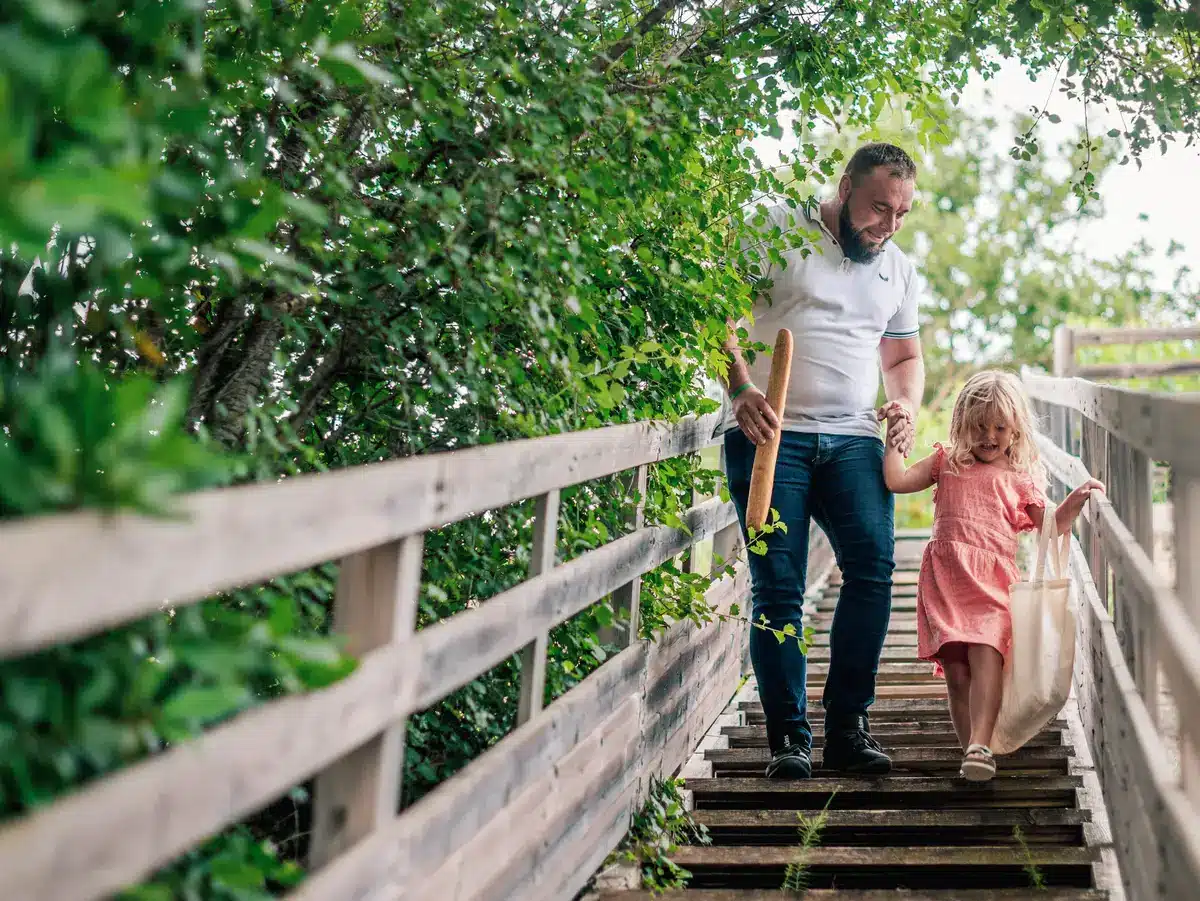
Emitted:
pixel 739 372
pixel 903 381
pixel 754 415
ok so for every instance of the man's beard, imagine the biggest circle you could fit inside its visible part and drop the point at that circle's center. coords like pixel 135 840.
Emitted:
pixel 853 246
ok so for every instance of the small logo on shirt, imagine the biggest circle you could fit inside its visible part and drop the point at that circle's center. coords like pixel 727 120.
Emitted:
pixel 884 277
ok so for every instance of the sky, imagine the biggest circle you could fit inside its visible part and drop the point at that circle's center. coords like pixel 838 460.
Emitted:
pixel 1166 189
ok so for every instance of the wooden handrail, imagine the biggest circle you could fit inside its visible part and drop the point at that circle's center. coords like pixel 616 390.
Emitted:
pixel 1164 426
pixel 1068 338
pixel 597 743
pixel 1145 626
pixel 124 566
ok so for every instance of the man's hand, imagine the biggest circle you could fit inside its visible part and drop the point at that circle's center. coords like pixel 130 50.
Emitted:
pixel 755 416
pixel 901 432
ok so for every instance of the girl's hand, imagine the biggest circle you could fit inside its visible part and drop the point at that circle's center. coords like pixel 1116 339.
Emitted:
pixel 1079 496
pixel 1073 505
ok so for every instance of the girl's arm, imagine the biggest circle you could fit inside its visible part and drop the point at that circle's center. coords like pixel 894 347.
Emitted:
pixel 899 480
pixel 1069 510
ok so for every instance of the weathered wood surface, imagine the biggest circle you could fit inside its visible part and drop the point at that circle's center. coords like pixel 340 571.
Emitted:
pixel 376 606
pixel 1163 426
pixel 1159 369
pixel 841 894
pixel 1108 336
pixel 1155 826
pixel 125 566
pixel 578 788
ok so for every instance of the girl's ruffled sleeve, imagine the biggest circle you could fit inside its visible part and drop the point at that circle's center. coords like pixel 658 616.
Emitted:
pixel 939 461
pixel 1028 496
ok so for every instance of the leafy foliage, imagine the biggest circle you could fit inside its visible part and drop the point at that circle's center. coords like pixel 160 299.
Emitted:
pixel 280 236
pixel 657 831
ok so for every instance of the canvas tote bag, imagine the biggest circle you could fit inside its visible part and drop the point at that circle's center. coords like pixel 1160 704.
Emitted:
pixel 1038 671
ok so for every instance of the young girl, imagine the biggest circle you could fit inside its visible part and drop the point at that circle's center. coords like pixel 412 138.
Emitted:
pixel 987 492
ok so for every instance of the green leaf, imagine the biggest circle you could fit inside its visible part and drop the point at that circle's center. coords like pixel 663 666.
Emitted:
pixel 206 704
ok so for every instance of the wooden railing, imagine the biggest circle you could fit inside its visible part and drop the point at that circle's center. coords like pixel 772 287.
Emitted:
pixel 529 819
pixel 1143 729
pixel 1067 340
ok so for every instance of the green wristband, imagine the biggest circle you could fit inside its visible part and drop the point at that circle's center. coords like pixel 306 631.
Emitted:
pixel 739 389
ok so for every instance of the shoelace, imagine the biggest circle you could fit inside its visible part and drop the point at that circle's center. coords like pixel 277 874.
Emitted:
pixel 863 739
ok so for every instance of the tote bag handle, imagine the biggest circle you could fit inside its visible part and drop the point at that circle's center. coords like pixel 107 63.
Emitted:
pixel 1061 547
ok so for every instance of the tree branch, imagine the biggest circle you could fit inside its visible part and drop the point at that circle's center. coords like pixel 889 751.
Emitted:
pixel 606 59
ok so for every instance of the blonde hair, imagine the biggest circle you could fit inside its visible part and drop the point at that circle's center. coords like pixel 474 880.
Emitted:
pixel 994 396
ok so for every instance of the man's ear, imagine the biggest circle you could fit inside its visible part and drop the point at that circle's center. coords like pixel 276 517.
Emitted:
pixel 844 188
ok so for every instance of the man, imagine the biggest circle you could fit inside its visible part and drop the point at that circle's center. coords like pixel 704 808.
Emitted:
pixel 851 306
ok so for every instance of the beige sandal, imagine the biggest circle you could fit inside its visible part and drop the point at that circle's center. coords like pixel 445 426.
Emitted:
pixel 979 764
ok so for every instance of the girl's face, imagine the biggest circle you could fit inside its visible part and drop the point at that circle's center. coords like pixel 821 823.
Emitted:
pixel 991 441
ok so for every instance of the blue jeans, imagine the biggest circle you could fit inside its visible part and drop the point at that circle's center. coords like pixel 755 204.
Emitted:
pixel 836 480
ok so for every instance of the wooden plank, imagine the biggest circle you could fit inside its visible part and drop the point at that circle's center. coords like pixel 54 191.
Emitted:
pixel 124 827
pixel 924 759
pixel 1185 499
pixel 851 791
pixel 124 566
pixel 438 830
pixel 504 854
pixel 1053 893
pixel 1064 351
pixel 1163 426
pixel 924 735
pixel 1103 336
pixel 169 802
pixel 1176 634
pixel 965 818
pixel 1158 369
pixel 1155 829
pixel 375 606
pixel 627 599
pixel 457 650
pixel 533 655
pixel 693 857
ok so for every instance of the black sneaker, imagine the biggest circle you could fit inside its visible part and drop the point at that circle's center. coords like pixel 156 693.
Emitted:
pixel 792 761
pixel 850 748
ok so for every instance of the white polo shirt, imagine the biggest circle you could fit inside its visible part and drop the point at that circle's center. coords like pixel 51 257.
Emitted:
pixel 837 311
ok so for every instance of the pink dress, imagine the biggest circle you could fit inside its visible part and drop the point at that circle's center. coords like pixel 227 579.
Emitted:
pixel 970 561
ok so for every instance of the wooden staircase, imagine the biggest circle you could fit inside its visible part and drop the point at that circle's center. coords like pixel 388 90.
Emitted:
pixel 918 834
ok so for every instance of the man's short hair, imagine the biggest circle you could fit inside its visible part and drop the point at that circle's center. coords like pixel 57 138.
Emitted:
pixel 870 157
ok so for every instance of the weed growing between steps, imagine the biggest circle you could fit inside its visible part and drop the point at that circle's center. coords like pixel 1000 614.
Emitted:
pixel 795 878
pixel 657 831
pixel 1036 878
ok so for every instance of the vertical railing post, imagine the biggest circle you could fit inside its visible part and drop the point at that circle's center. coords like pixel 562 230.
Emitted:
pixel 375 605
pixel 1093 452
pixel 1064 352
pixel 533 655
pixel 1185 499
pixel 728 541
pixel 627 600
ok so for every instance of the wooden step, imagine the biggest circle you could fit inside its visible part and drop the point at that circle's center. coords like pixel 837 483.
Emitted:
pixel 886 793
pixel 935 689
pixel 898 623
pixel 762 866
pixel 891 654
pixel 929 760
pixel 891 640
pixel 910 735
pixel 983 826
pixel 890 672
pixel 816 894
pixel 887 708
